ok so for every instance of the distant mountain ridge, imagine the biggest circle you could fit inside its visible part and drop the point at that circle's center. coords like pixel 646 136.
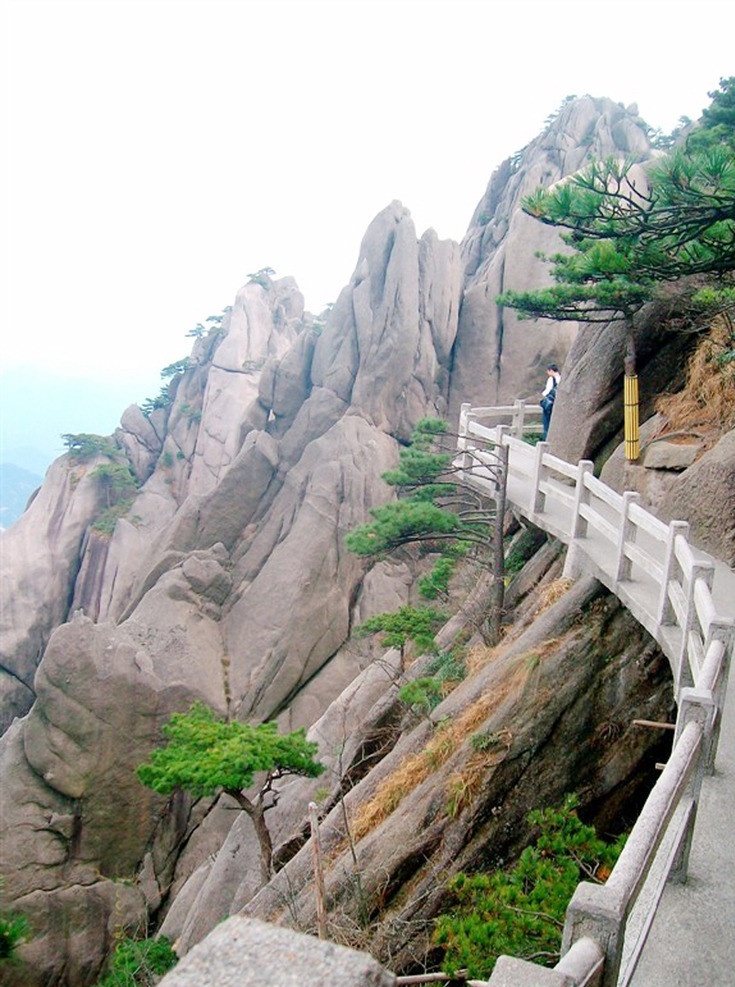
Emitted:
pixel 16 486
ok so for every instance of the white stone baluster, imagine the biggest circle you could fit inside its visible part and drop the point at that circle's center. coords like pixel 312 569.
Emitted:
pixel 625 534
pixel 540 473
pixel 665 614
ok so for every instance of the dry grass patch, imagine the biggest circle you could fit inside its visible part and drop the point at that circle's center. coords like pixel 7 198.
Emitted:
pixel 552 593
pixel 414 769
pixel 707 402
pixel 480 655
pixel 449 736
pixel 464 786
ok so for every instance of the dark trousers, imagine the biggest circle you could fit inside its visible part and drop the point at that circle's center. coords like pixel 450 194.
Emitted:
pixel 546 410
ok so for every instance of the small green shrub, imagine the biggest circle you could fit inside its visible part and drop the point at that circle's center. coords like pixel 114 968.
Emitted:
pixel 436 583
pixel 532 438
pixel 719 300
pixel 417 624
pixel 139 963
pixel 523 547
pixel 178 367
pixel 514 562
pixel 520 912
pixel 13 931
pixel 448 666
pixel 163 400
pixel 116 479
pixel 84 445
pixel 422 694
pixel 262 277
pixel 105 522
pixel 485 742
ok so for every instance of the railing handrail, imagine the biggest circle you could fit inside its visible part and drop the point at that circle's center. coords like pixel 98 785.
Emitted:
pixel 694 567
pixel 684 620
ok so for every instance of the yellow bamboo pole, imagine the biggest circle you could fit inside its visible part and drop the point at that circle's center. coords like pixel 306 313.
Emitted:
pixel 630 407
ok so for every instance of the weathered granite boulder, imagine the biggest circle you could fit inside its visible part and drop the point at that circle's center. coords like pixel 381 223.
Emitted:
pixel 402 300
pixel 704 494
pixel 243 952
pixel 671 455
pixel 140 440
pixel 75 822
pixel 38 566
pixel 263 324
pixel 297 556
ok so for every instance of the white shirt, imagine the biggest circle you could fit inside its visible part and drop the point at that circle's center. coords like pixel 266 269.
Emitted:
pixel 550 381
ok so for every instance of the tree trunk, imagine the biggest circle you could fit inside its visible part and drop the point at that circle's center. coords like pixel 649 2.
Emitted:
pixel 629 360
pixel 257 814
pixel 498 589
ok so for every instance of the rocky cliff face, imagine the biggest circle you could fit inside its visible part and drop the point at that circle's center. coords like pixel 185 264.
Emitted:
pixel 499 358
pixel 227 580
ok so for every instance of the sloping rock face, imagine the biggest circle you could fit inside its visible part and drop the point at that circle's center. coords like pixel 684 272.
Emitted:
pixel 704 494
pixel 550 711
pixel 227 579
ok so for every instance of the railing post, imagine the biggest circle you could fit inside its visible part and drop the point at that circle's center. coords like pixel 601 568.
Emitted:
pixel 502 432
pixel 665 612
pixel 598 913
pixel 540 472
pixel 697 705
pixel 625 533
pixel 720 633
pixel 720 629
pixel 706 572
pixel 581 497
pixel 519 417
pixel 573 567
pixel 464 421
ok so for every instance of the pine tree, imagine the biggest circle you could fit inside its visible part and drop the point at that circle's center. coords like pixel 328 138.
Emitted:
pixel 205 755
pixel 436 508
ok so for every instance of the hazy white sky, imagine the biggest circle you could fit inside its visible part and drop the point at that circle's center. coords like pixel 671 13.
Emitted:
pixel 161 150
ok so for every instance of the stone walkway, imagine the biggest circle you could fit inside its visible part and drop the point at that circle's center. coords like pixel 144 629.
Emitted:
pixel 692 939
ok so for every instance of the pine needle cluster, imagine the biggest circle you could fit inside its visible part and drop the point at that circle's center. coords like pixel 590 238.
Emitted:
pixel 520 912
pixel 204 754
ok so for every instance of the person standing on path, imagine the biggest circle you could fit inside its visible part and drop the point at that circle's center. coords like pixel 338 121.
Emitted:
pixel 548 396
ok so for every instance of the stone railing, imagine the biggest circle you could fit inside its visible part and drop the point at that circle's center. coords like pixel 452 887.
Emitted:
pixel 667 585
